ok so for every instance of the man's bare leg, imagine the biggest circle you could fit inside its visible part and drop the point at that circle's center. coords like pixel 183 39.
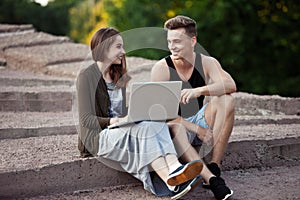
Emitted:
pixel 183 147
pixel 185 150
pixel 219 114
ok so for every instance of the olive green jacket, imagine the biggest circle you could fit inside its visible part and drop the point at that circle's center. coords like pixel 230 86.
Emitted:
pixel 93 109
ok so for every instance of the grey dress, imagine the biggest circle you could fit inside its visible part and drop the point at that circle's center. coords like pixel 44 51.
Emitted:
pixel 134 147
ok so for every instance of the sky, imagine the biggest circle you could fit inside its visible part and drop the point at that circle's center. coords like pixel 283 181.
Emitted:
pixel 42 2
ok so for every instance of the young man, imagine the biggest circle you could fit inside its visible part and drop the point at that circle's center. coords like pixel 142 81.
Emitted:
pixel 201 76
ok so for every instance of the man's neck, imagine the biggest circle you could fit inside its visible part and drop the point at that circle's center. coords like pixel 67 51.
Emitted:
pixel 185 63
pixel 185 68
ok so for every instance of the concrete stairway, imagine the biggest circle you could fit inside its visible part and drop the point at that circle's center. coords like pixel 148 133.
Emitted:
pixel 39 147
pixel 38 139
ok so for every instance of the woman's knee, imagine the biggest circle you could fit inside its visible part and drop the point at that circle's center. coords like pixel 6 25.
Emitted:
pixel 176 129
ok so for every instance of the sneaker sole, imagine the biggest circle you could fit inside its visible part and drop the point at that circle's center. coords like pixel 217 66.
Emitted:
pixel 189 172
pixel 188 189
pixel 228 195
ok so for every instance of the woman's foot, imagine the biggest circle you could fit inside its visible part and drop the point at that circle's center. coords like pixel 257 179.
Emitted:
pixel 186 187
pixel 185 173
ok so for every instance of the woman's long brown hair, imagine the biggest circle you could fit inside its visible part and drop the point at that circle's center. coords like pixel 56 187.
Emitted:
pixel 100 43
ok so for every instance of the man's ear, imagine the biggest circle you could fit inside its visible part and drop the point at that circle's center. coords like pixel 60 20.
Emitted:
pixel 194 41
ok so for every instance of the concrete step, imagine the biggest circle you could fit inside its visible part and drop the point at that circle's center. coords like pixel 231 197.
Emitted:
pixel 25 91
pixel 41 98
pixel 263 145
pixel 251 104
pixel 40 165
pixel 254 184
pixel 37 152
pixel 15 133
pixel 56 95
pixel 6 81
pixel 35 124
pixel 13 29
pixel 50 164
pixel 241 120
pixel 15 78
pixel 15 125
pixel 12 36
pixel 35 58
pixel 29 38
pixel 246 104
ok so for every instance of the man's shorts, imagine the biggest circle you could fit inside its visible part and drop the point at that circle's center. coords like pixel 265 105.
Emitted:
pixel 198 119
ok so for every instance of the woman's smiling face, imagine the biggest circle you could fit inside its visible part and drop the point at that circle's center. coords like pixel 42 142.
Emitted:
pixel 116 51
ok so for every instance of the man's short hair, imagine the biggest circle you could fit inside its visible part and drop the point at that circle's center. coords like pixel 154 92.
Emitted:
pixel 181 21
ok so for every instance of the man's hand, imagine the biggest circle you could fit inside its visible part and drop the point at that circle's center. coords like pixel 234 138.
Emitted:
pixel 208 138
pixel 205 135
pixel 178 120
pixel 187 94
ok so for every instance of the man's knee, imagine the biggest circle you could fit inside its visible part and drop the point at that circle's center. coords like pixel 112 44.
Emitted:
pixel 229 102
pixel 226 101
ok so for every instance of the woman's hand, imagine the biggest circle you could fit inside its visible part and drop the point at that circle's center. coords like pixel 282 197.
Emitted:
pixel 113 120
pixel 117 119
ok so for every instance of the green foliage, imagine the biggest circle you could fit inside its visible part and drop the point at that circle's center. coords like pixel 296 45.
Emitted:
pixel 257 41
pixel 85 17
pixel 54 18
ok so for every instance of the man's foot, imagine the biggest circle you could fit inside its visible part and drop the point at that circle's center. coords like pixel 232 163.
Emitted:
pixel 186 187
pixel 219 188
pixel 185 173
pixel 215 170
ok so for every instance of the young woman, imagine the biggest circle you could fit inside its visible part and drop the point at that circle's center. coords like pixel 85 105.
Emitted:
pixel 138 148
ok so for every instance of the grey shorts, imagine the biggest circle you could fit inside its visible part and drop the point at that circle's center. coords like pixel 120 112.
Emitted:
pixel 198 119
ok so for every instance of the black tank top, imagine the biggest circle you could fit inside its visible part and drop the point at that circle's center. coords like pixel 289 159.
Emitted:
pixel 196 80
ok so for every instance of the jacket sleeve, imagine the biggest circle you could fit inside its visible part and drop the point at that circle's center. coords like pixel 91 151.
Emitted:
pixel 86 104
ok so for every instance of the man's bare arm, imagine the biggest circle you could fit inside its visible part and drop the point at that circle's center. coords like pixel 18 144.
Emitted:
pixel 160 72
pixel 219 82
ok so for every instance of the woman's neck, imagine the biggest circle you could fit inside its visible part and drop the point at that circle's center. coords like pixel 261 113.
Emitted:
pixel 104 69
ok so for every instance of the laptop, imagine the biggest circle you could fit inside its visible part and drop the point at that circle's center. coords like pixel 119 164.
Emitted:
pixel 152 101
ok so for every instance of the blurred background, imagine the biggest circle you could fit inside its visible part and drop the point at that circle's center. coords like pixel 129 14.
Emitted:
pixel 256 41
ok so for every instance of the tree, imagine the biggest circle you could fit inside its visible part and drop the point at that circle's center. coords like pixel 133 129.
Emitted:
pixel 255 41
pixel 54 18
pixel 86 18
